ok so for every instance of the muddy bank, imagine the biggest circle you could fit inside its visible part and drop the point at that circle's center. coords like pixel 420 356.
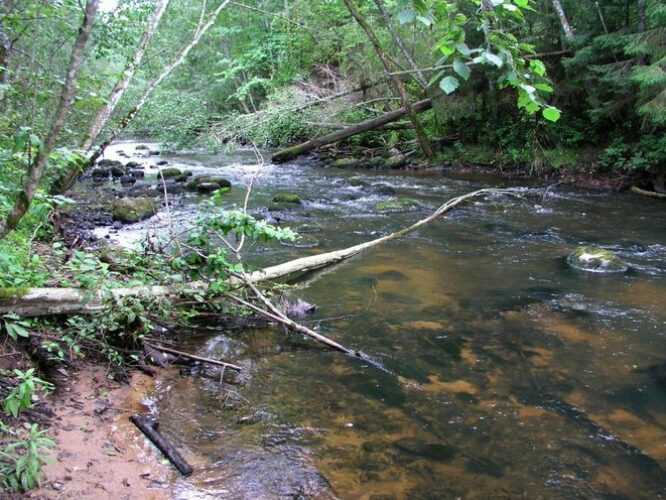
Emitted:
pixel 99 452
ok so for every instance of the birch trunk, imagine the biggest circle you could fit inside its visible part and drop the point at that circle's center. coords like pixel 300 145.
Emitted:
pixel 117 93
pixel 566 27
pixel 36 168
pixel 201 31
pixel 397 83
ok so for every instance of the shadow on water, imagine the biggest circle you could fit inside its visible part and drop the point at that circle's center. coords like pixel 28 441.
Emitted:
pixel 516 375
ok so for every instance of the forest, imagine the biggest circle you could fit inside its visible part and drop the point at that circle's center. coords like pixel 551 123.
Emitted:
pixel 332 249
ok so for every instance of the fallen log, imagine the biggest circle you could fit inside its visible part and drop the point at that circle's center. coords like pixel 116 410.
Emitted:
pixel 294 151
pixel 645 192
pixel 56 301
pixel 149 427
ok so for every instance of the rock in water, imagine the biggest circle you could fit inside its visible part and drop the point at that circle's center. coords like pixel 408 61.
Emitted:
pixel 597 260
pixel 395 205
pixel 171 172
pixel 130 210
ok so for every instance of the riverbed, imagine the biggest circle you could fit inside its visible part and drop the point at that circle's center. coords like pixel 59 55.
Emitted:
pixel 522 372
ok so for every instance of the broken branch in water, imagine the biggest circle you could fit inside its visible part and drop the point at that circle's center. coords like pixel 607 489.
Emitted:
pixel 149 427
pixel 193 357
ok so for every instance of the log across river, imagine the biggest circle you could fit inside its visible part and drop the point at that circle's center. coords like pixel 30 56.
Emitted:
pixel 523 367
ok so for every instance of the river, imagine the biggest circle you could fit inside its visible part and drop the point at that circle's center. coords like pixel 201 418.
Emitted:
pixel 522 369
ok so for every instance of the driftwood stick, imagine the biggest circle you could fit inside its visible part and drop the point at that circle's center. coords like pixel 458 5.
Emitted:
pixel 645 192
pixel 149 427
pixel 194 358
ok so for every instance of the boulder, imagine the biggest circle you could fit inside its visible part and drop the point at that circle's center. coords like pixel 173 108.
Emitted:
pixel 207 187
pixel 118 170
pixel 137 174
pixel 395 205
pixel 106 163
pixel 100 173
pixel 141 147
pixel 395 161
pixel 172 172
pixel 127 180
pixel 133 164
pixel 161 163
pixel 130 210
pixel 597 260
pixel 287 198
pixel 347 163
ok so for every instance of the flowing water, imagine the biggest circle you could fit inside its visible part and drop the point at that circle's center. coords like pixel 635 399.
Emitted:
pixel 521 371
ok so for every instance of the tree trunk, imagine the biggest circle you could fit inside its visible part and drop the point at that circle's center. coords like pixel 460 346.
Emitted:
pixel 55 301
pixel 74 170
pixel 4 49
pixel 397 83
pixel 201 30
pixel 116 94
pixel 294 151
pixel 398 41
pixel 36 168
pixel 566 27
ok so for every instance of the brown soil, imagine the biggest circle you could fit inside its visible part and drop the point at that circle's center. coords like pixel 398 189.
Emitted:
pixel 99 453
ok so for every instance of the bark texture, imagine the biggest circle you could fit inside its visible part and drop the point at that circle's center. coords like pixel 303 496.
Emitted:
pixel 36 168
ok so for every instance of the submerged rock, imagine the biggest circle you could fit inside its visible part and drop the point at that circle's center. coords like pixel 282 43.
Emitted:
pixel 207 187
pixel 287 198
pixel 141 147
pixel 132 210
pixel 302 241
pixel 161 163
pixel 356 182
pixel 596 260
pixel 395 205
pixel 100 173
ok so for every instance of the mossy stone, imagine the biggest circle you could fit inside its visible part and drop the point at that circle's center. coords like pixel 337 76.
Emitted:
pixel 287 198
pixel 171 172
pixel 130 210
pixel 595 259
pixel 356 182
pixel 346 163
pixel 395 205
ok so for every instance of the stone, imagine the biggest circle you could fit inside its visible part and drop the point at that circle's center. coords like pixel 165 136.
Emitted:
pixel 127 180
pixel 141 147
pixel 118 170
pixel 137 174
pixel 133 164
pixel 106 163
pixel 207 187
pixel 100 173
pixel 221 182
pixel 169 173
pixel 396 161
pixel 131 210
pixel 395 205
pixel 287 198
pixel 347 163
pixel 597 260
pixel 383 189
pixel 356 182
pixel 161 163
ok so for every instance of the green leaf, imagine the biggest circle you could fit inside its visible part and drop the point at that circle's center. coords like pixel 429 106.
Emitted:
pixel 522 3
pixel 543 87
pixel 462 69
pixel 551 114
pixel 538 67
pixel 493 59
pixel 463 49
pixel 449 84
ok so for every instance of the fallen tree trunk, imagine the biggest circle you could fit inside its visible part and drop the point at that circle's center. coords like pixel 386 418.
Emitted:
pixel 56 301
pixel 294 151
pixel 645 192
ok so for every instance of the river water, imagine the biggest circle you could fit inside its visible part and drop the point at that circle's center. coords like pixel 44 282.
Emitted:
pixel 522 370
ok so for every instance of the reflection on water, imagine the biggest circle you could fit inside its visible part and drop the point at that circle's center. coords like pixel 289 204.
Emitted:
pixel 521 372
